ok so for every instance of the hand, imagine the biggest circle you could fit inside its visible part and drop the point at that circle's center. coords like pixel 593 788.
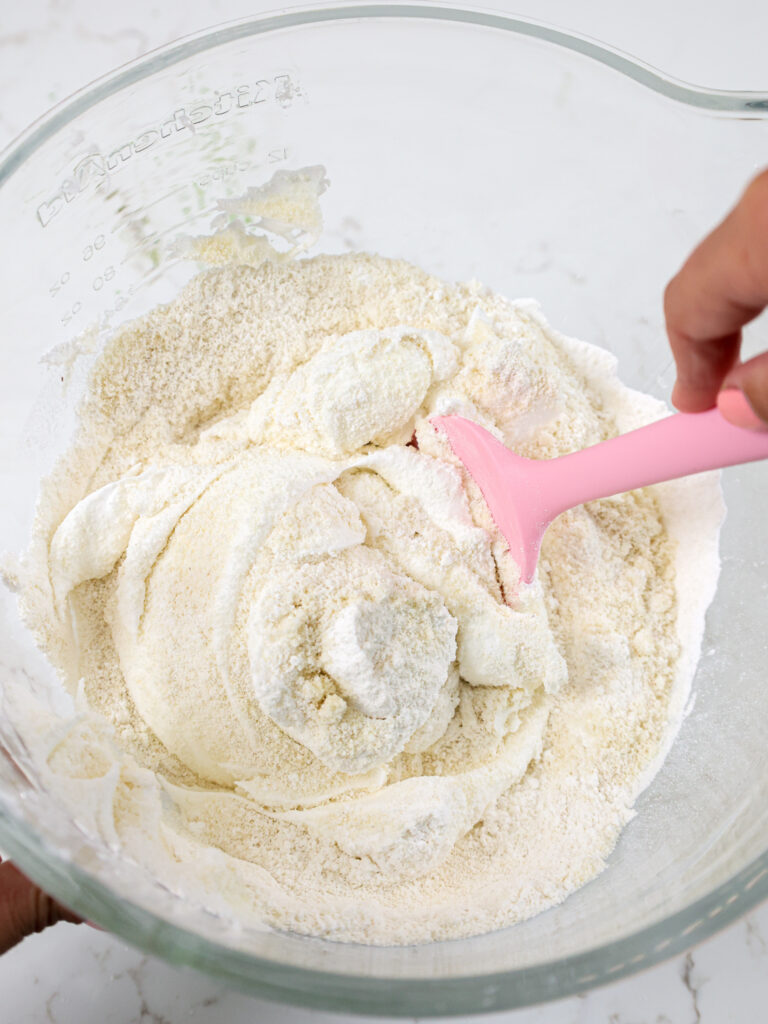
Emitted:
pixel 24 908
pixel 721 287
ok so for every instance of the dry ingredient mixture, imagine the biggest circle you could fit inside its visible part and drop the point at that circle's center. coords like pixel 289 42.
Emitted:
pixel 317 691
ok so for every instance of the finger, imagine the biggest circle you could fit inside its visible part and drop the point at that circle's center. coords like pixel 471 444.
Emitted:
pixel 24 908
pixel 747 381
pixel 720 288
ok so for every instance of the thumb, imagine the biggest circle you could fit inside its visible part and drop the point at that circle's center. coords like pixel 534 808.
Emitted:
pixel 743 398
pixel 24 908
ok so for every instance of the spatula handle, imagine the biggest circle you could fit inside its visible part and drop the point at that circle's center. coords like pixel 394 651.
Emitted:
pixel 672 447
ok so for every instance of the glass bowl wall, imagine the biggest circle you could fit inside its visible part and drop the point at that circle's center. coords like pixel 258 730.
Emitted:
pixel 474 145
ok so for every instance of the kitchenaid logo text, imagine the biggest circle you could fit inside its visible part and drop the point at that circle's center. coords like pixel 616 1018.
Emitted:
pixel 94 167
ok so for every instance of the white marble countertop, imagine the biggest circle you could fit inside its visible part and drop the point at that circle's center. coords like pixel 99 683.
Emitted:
pixel 74 975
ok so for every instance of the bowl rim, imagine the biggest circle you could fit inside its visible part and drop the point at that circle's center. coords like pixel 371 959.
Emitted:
pixel 394 996
pixel 743 104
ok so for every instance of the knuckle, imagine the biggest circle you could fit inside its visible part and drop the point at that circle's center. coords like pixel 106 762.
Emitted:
pixel 755 198
pixel 44 911
pixel 676 319
pixel 753 217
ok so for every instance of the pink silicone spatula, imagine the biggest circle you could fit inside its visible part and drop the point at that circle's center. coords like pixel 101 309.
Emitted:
pixel 525 495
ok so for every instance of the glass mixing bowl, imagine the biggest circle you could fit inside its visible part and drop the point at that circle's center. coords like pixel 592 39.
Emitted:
pixel 474 145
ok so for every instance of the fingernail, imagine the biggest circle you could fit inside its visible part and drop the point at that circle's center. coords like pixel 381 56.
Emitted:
pixel 735 407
